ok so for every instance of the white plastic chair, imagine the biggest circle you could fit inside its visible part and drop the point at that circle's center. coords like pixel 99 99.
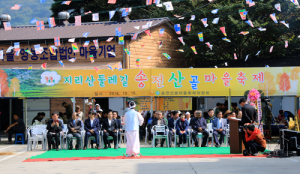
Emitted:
pixel 227 134
pixel 210 133
pixel 146 129
pixel 163 129
pixel 37 134
pixel 123 134
pixel 63 136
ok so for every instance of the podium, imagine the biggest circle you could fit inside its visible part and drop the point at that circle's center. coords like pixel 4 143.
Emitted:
pixel 236 143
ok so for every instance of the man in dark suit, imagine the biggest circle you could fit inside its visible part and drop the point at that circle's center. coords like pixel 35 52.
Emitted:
pixel 74 127
pixel 91 127
pixel 198 125
pixel 248 116
pixel 54 127
pixel 120 127
pixel 171 125
pixel 159 121
pixel 109 128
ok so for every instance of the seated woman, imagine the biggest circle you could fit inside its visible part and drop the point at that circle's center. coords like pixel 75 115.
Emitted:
pixel 182 126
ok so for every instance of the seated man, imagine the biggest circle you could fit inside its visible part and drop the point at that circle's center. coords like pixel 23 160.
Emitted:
pixel 219 126
pixel 255 141
pixel 182 126
pixel 198 125
pixel 171 125
pixel 74 127
pixel 159 121
pixel 110 127
pixel 91 127
pixel 17 127
pixel 54 127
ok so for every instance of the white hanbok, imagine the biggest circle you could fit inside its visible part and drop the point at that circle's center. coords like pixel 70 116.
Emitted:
pixel 133 120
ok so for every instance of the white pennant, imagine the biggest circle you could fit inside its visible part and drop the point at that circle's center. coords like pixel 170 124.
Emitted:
pixel 111 14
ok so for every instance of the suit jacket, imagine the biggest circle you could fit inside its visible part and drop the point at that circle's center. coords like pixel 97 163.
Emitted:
pixel 114 125
pixel 77 125
pixel 119 124
pixel 88 127
pixel 171 123
pixel 54 129
pixel 182 125
pixel 196 123
pixel 223 124
pixel 249 114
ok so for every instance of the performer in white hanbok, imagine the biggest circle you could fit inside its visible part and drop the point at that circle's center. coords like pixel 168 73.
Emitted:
pixel 133 120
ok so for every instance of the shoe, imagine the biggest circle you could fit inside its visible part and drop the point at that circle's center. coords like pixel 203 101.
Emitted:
pixel 71 147
pixel 181 145
pixel 203 146
pixel 217 145
pixel 8 142
pixel 105 147
pixel 255 154
pixel 115 147
pixel 184 145
pixel 161 145
pixel 77 147
pixel 109 146
pixel 57 149
pixel 84 148
pixel 97 147
pixel 155 144
pixel 49 149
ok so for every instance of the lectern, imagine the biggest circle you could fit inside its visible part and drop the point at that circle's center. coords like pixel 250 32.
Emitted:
pixel 236 144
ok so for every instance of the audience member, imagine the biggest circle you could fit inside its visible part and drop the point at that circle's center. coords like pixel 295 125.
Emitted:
pixel 188 117
pixel 171 125
pixel 198 125
pixel 18 126
pixel 205 115
pixel 118 119
pixel 281 117
pixel 91 127
pixel 78 111
pixel 54 127
pixel 69 110
pixel 63 118
pixel 211 116
pixel 219 126
pixel 110 127
pixel 217 108
pixel 159 121
pixel 235 108
pixel 37 118
pixel 74 127
pixel 182 126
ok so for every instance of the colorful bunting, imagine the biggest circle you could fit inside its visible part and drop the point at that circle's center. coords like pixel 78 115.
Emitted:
pixel 169 6
pixel 66 2
pixel 85 34
pixel 177 28
pixel 273 17
pixel 28 51
pixel 7 26
pixel 77 20
pixel 250 23
pixel 243 14
pixel 127 51
pixel 17 46
pixel 57 41
pixel 61 63
pixel 16 7
pixel 125 12
pixel 40 25
pixel 156 1
pixel 75 48
pixel 188 27
pixel 215 11
pixel 215 21
pixel 251 3
pixel 194 49
pixel 278 7
pixel 121 40
pixel 33 21
pixel 91 58
pixel 160 44
pixel 181 40
pixel 204 21
pixel 225 39
pixel 112 53
pixel 262 29
pixel 52 50
pixel 134 36
pixel 110 67
pixel 161 32
pixel 209 45
pixel 111 1
pixel 223 31
pixel 137 62
pixel 96 69
pixel 200 35
pixel 286 44
pixel 148 33
pixel 257 53
pixel 95 17
pixel 17 53
pixel 71 40
pixel 287 25
pixel 246 57
pixel 120 67
pixel 111 14
pixel 181 50
pixel 51 22
pixel 235 57
pixel 167 55
pixel 30 67
pixel 271 49
pixel 244 33
pixel 86 43
pixel 192 18
pixel 9 49
pixel 44 65
pixel 72 60
pixel 109 39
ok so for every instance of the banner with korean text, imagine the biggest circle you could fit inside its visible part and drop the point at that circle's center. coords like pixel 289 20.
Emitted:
pixel 148 82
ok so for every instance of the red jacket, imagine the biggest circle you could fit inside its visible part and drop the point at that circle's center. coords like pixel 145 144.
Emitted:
pixel 256 136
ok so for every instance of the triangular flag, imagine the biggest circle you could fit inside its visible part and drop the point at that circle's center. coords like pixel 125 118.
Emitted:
pixel 72 60
pixel 273 17
pixel 257 53
pixel 194 49
pixel 44 65
pixel 192 18
pixel 112 53
pixel 61 63
pixel 225 39
pixel 271 49
pixel 287 25
pixel 136 27
pixel 91 58
pixel 244 33
pixel 246 57
pixel 169 6
pixel 215 11
pixel 261 29
pixel 111 14
pixel 96 69
pixel 181 40
pixel 286 44
pixel 75 48
pixel 223 31
pixel 95 17
pixel 209 45
pixel 243 14
pixel 200 35
pixel 204 21
pixel 250 23
pixel 148 32
pixel 235 57
pixel 167 55
pixel 278 7
pixel 215 21
pixel 71 40
pixel 137 62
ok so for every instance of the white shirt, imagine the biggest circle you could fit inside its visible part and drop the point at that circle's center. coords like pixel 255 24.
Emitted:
pixel 133 120
pixel 109 122
pixel 92 122
pixel 220 122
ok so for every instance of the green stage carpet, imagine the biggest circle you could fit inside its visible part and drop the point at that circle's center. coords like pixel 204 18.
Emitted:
pixel 144 151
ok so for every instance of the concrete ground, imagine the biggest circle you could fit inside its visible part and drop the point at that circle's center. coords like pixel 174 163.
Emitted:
pixel 13 164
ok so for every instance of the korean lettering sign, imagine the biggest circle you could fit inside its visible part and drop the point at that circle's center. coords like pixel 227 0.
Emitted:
pixel 64 52
pixel 153 82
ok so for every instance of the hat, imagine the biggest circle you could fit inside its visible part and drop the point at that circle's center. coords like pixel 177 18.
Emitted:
pixel 89 103
pixel 187 113
pixel 99 108
pixel 63 104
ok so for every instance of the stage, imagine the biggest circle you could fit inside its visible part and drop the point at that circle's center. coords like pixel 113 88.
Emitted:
pixel 147 153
